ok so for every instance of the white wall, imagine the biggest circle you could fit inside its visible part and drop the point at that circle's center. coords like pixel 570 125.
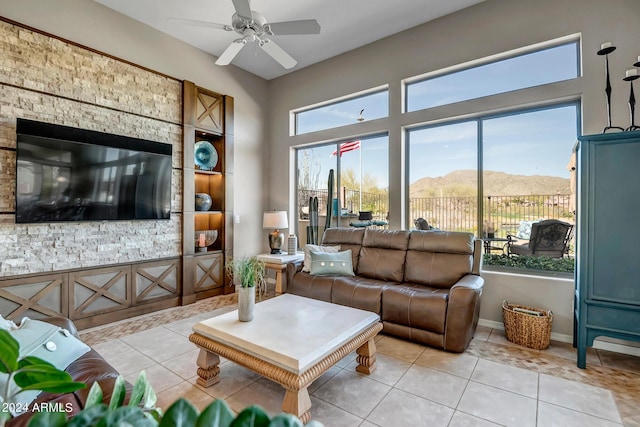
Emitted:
pixel 548 293
pixel 95 26
pixel 488 28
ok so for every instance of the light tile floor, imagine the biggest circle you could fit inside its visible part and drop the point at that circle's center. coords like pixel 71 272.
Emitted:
pixel 494 383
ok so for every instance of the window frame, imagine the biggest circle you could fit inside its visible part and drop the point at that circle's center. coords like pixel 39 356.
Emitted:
pixel 479 119
pixel 338 170
pixel 336 101
pixel 492 59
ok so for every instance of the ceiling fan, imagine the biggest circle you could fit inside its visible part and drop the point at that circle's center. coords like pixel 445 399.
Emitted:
pixel 253 27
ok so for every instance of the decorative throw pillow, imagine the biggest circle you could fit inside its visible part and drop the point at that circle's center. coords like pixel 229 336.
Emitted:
pixel 339 263
pixel 524 229
pixel 316 248
pixel 47 342
pixel 7 325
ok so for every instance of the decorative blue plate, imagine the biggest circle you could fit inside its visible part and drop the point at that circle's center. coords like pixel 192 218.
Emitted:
pixel 205 155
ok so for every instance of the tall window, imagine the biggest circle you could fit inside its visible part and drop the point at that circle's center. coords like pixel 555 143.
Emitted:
pixel 525 173
pixel 361 181
pixel 345 112
pixel 482 170
pixel 545 66
pixel 443 176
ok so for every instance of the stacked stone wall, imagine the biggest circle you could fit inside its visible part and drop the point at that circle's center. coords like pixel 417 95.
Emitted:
pixel 50 80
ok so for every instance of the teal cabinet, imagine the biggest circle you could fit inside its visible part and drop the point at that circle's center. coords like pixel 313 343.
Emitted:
pixel 607 296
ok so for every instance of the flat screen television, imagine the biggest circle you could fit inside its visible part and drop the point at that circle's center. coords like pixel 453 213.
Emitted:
pixel 70 174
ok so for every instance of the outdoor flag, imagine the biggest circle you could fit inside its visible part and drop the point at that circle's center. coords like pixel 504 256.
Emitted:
pixel 347 146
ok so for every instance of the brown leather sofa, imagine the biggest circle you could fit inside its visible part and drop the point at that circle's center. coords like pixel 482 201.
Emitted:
pixel 88 368
pixel 425 285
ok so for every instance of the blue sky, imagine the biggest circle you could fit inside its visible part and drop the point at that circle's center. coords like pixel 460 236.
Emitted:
pixel 532 143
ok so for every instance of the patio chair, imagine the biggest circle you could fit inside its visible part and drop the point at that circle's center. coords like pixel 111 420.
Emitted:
pixel 365 219
pixel 421 224
pixel 548 238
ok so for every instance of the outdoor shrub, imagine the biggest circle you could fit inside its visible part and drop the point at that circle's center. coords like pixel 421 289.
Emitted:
pixel 564 265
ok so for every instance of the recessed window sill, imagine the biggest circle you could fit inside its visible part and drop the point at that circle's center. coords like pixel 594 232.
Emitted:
pixel 528 272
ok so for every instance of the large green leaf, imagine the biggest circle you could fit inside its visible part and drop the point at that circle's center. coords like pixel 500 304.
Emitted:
pixel 150 398
pixel 127 415
pixel 56 386
pixel 118 393
pixel 34 375
pixel 8 352
pixel 34 361
pixel 138 389
pixel 253 416
pixel 217 414
pixel 95 395
pixel 285 420
pixel 153 414
pixel 90 416
pixel 4 417
pixel 48 419
pixel 180 414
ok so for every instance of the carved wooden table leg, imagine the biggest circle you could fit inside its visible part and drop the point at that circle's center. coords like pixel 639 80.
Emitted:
pixel 208 368
pixel 366 357
pixel 298 403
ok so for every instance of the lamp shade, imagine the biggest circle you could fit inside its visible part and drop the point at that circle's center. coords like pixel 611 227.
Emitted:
pixel 275 219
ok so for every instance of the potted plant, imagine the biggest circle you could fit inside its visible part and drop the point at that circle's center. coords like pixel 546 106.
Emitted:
pixel 246 273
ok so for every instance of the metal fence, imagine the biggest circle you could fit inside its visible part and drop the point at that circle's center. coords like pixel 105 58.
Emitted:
pixel 375 202
pixel 501 213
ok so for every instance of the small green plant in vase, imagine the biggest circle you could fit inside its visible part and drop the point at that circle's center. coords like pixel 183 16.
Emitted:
pixel 248 273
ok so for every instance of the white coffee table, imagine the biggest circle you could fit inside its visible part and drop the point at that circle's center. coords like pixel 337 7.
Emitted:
pixel 292 340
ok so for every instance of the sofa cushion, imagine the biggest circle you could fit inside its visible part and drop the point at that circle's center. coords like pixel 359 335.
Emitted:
pixel 381 264
pixel 382 255
pixel 347 238
pixel 323 264
pixel 358 292
pixel 386 239
pixel 316 248
pixel 415 306
pixel 316 287
pixel 438 258
pixel 441 241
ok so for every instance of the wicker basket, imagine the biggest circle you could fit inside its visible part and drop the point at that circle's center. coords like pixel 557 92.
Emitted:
pixel 527 326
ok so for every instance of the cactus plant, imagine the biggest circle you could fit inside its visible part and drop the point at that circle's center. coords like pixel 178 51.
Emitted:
pixel 327 223
pixel 312 229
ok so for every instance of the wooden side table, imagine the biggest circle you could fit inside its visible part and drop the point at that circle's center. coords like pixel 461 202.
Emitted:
pixel 278 263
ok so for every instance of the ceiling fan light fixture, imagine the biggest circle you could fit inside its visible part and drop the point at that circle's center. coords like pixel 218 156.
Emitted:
pixel 254 27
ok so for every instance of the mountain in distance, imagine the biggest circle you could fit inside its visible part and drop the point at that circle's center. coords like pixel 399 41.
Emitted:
pixel 465 183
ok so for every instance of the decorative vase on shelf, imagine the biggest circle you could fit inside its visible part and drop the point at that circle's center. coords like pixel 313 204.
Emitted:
pixel 203 201
pixel 246 303
pixel 292 245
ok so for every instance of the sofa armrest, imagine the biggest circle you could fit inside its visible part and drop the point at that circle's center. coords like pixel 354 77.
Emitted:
pixel 292 268
pixel 62 322
pixel 463 311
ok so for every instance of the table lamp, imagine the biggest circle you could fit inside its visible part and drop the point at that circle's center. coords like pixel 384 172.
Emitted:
pixel 275 220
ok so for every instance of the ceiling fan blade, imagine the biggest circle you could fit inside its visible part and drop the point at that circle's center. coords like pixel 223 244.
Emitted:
pixel 243 8
pixel 230 52
pixel 204 24
pixel 307 26
pixel 277 53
